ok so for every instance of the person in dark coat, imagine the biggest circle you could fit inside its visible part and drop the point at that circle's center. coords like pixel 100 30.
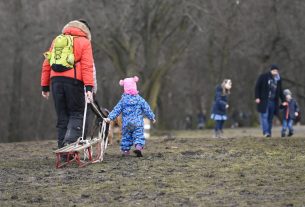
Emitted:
pixel 268 91
pixel 290 111
pixel 220 106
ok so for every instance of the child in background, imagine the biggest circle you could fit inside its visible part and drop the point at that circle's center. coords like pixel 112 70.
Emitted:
pixel 133 107
pixel 290 112
pixel 219 111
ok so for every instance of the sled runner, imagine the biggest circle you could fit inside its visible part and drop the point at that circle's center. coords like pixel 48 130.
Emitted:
pixel 90 150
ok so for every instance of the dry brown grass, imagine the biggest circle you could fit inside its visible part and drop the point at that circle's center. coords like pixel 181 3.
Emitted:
pixel 184 169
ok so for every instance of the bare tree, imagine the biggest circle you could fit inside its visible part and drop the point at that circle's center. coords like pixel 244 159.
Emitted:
pixel 181 49
pixel 15 102
pixel 149 40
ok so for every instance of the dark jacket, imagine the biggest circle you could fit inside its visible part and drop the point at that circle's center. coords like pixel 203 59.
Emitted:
pixel 262 89
pixel 220 102
pixel 289 110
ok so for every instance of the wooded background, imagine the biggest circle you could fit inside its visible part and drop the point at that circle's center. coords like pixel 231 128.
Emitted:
pixel 180 49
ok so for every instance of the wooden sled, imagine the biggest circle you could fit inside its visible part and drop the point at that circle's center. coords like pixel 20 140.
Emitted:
pixel 86 151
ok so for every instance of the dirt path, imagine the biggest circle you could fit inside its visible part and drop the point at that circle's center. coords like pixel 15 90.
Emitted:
pixel 185 169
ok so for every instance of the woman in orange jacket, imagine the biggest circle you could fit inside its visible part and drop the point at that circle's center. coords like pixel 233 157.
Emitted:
pixel 68 86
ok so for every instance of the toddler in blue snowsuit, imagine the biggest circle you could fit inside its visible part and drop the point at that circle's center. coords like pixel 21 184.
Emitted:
pixel 133 107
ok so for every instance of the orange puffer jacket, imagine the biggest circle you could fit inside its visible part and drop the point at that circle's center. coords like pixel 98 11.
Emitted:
pixel 83 58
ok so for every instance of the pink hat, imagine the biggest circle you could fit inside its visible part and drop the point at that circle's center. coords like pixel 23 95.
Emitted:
pixel 130 85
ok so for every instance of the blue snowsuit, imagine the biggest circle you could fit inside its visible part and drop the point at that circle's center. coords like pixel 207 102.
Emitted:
pixel 132 107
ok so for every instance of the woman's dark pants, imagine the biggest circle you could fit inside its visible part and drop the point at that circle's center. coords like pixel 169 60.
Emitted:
pixel 69 100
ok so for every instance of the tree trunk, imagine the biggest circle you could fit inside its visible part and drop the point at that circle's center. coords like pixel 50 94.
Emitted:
pixel 15 132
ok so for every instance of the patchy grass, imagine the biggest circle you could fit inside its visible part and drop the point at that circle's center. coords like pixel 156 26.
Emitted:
pixel 178 169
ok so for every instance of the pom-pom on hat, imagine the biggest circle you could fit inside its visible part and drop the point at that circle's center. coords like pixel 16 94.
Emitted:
pixel 130 85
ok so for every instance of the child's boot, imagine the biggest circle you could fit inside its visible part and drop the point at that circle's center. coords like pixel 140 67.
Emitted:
pixel 125 153
pixel 216 134
pixel 221 135
pixel 290 133
pixel 283 134
pixel 138 150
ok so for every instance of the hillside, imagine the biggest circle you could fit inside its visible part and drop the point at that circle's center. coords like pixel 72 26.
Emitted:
pixel 181 169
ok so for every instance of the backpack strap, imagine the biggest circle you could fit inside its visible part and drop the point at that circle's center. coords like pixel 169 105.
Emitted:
pixel 74 66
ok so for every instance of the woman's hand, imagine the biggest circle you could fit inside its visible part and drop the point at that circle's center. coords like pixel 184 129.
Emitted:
pixel 45 94
pixel 89 97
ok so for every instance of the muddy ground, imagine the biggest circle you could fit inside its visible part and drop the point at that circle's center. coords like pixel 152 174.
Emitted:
pixel 178 169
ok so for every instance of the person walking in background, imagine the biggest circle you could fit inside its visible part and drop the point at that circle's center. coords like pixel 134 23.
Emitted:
pixel 268 91
pixel 220 106
pixel 201 118
pixel 290 111
pixel 132 107
pixel 68 67
pixel 188 122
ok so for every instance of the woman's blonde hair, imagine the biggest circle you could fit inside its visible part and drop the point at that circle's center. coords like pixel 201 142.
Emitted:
pixel 224 90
